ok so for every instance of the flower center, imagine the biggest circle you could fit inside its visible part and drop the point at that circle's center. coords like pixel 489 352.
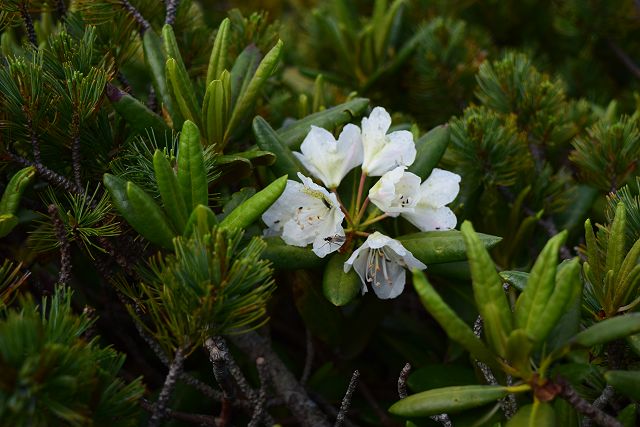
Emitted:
pixel 376 263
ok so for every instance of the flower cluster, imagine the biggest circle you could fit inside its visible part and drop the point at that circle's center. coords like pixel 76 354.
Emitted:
pixel 307 213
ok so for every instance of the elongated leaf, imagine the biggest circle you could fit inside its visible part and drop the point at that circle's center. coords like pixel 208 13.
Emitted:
pixel 15 188
pixel 517 279
pixel 433 247
pixel 626 382
pixel 243 69
pixel 250 210
pixel 170 191
pixel 218 58
pixel 201 219
pixel 340 288
pixel 447 400
pixel 288 257
pixel 182 91
pixel 455 327
pixel 292 135
pixel 192 175
pixel 267 139
pixel 534 299
pixel 519 348
pixel 156 61
pixel 135 113
pixel 608 330
pixel 215 112
pixel 487 290
pixel 7 223
pixel 617 236
pixel 430 148
pixel 538 414
pixel 247 98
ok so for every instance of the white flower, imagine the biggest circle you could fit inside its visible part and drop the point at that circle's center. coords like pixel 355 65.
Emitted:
pixel 306 213
pixel 381 262
pixel 330 160
pixel 396 191
pixel 430 212
pixel 384 152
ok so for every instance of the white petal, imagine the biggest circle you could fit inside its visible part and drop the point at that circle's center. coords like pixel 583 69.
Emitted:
pixel 440 188
pixel 399 150
pixel 358 260
pixel 330 236
pixel 396 191
pixel 429 219
pixel 280 211
pixel 385 290
pixel 377 124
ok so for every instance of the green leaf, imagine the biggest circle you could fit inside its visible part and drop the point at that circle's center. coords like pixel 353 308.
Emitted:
pixel 430 148
pixel 447 400
pixel 519 348
pixel 455 327
pixel 608 330
pixel 538 414
pixel 177 75
pixel 433 247
pixel 440 375
pixel 170 191
pixel 135 113
pixel 243 69
pixel 566 415
pixel 292 135
pixel 288 257
pixel 340 288
pixel 139 210
pixel 7 223
pixel 267 139
pixel 156 61
pixel 517 279
pixel 568 323
pixel 487 290
pixel 625 382
pixel 215 111
pixel 202 219
pixel 247 98
pixel 250 210
pixel 533 301
pixel 218 58
pixel 192 176
pixel 617 239
pixel 628 415
pixel 15 188
pixel 322 318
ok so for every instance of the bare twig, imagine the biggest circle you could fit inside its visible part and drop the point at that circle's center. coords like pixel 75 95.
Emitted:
pixel 48 175
pixel 160 408
pixel 600 403
pixel 308 361
pixel 172 7
pixel 262 394
pixel 402 381
pixel 285 384
pixel 631 66
pixel 143 23
pixel 75 147
pixel 346 400
pixel 201 420
pixel 585 408
pixel 28 23
pixel 218 357
pixel 65 246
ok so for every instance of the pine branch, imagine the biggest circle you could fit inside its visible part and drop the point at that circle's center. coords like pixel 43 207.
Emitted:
pixel 48 175
pixel 263 375
pixel 308 361
pixel 172 8
pixel 160 408
pixel 65 247
pixel 570 395
pixel 201 420
pixel 142 22
pixel 600 403
pixel 285 384
pixel 75 147
pixel 28 23
pixel 402 381
pixel 35 144
pixel 346 401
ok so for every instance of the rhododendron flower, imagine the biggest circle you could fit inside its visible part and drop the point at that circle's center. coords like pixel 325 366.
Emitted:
pixel 381 262
pixel 330 160
pixel 396 192
pixel 430 212
pixel 382 151
pixel 306 213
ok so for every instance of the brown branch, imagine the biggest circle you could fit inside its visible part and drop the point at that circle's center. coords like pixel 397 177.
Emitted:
pixel 48 175
pixel 201 420
pixel 600 403
pixel 402 381
pixel 160 408
pixel 143 23
pixel 172 8
pixel 285 384
pixel 65 246
pixel 626 60
pixel 308 361
pixel 28 23
pixel 346 400
pixel 585 408
pixel 262 394
pixel 75 147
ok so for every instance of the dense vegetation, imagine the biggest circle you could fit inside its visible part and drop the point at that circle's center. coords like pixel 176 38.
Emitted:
pixel 319 213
